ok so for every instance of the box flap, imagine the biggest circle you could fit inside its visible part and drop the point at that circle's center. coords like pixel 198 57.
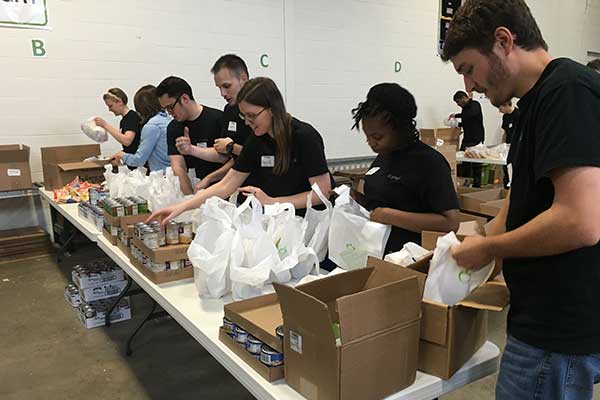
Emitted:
pixel 493 296
pixel 447 134
pixel 388 272
pixel 397 303
pixel 84 165
pixel 469 228
pixel 65 154
pixel 492 208
pixel 466 217
pixel 14 153
pixel 434 322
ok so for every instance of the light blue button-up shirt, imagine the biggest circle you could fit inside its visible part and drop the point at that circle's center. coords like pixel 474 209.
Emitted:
pixel 153 144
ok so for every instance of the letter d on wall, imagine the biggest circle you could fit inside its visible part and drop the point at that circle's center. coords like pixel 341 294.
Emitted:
pixel 37 46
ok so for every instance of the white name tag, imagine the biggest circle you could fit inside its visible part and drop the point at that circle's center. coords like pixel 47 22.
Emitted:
pixel 232 126
pixel 267 161
pixel 202 145
pixel 372 171
pixel 14 172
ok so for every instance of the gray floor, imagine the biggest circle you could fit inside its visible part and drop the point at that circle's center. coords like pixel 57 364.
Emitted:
pixel 47 354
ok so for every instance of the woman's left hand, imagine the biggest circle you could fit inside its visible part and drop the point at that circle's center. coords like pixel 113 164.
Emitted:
pixel 258 193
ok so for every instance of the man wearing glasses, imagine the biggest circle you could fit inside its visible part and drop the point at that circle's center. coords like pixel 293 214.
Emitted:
pixel 191 135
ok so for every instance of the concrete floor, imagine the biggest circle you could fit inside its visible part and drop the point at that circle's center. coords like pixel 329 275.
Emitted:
pixel 47 354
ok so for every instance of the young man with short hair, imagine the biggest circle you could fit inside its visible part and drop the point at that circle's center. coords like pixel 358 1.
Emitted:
pixel 547 233
pixel 192 134
pixel 471 120
pixel 230 74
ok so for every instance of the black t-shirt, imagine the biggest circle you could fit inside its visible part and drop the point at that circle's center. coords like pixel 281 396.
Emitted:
pixel 233 126
pixel 414 179
pixel 131 122
pixel 555 300
pixel 203 132
pixel 509 122
pixel 472 124
pixel 307 160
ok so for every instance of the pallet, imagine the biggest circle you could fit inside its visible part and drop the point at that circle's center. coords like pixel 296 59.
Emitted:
pixel 24 243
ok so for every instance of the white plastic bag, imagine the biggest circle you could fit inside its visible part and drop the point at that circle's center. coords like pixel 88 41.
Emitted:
pixel 352 236
pixel 317 224
pixel 209 254
pixel 452 122
pixel 94 132
pixel 447 282
pixel 410 253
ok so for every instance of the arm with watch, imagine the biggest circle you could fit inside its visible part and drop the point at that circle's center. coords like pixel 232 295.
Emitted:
pixel 227 146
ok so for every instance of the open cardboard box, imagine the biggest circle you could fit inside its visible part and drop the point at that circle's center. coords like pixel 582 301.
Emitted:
pixel 492 208
pixel 124 221
pixel 472 201
pixel 378 311
pixel 260 317
pixel 468 227
pixel 15 172
pixel 163 253
pixel 62 164
pixel 451 335
pixel 164 276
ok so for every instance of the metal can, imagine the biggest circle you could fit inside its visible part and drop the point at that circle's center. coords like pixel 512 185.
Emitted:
pixel 241 336
pixel 253 345
pixel 270 357
pixel 176 264
pixel 146 262
pixel 186 232
pixel 89 311
pixel 119 210
pixel 114 230
pixel 142 205
pixel 150 238
pixel 128 207
pixel 162 239
pixel 93 194
pixel 280 332
pixel 158 266
pixel 172 232
pixel 229 327
pixel 137 228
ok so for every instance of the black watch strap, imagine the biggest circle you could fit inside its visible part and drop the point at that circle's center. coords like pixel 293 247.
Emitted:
pixel 229 148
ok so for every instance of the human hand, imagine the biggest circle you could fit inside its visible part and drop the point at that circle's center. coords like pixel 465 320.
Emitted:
pixel 221 145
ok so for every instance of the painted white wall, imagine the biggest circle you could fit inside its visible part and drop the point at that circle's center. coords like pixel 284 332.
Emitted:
pixel 324 55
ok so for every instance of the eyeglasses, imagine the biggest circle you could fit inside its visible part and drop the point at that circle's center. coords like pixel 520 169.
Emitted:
pixel 170 107
pixel 251 117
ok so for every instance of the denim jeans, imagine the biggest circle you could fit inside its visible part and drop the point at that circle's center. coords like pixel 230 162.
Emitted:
pixel 527 372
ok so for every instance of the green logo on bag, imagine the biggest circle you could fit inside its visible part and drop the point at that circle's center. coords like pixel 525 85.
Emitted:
pixel 464 276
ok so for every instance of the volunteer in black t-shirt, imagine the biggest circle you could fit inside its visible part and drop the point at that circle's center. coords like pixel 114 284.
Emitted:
pixel 230 74
pixel 191 137
pixel 471 120
pixel 548 232
pixel 130 125
pixel 409 185
pixel 510 116
pixel 285 155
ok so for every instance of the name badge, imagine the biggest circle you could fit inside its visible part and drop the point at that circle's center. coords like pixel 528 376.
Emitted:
pixel 232 126
pixel 202 145
pixel 510 125
pixel 267 161
pixel 372 171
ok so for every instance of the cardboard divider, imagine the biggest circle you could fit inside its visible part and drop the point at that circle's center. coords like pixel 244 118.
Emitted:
pixel 164 253
pixel 112 239
pixel 164 276
pixel 269 373
pixel 128 221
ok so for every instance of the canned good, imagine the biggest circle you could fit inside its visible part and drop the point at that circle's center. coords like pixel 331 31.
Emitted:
pixel 162 240
pixel 114 230
pixel 150 238
pixel 241 336
pixel 128 208
pixel 270 357
pixel 229 327
pixel 158 266
pixel 89 311
pixel 172 232
pixel 146 262
pixel 253 345
pixel 280 332
pixel 93 194
pixel 137 228
pixel 142 205
pixel 176 264
pixel 186 232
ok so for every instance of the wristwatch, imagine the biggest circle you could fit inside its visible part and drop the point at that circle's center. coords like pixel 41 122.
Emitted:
pixel 229 148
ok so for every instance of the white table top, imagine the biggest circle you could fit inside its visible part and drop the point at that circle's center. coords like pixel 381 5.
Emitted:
pixel 480 160
pixel 203 317
pixel 71 213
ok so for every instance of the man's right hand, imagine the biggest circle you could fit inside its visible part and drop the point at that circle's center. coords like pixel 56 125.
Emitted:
pixel 183 143
pixel 202 184
pixel 166 214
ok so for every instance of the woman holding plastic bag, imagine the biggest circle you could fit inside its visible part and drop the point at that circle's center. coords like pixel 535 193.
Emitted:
pixel 409 185
pixel 153 142
pixel 284 155
pixel 128 134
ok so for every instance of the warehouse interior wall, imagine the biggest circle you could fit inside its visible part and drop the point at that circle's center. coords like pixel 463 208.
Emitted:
pixel 323 55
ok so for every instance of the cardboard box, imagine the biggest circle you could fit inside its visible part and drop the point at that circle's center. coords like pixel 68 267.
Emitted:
pixel 472 201
pixel 63 163
pixel 427 136
pixel 378 311
pixel 492 208
pixel 450 136
pixel 15 172
pixel 103 291
pixel 466 217
pixel 124 248
pixel 128 221
pixel 97 278
pixel 164 276
pixel 163 253
pixel 121 312
pixel 111 238
pixel 450 336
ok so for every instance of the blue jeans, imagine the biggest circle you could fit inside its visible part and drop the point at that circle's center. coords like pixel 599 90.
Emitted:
pixel 527 372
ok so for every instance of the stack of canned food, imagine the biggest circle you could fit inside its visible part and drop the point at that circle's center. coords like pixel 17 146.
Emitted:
pixel 154 236
pixel 93 214
pixel 97 195
pixel 72 295
pixel 259 350
pixel 92 314
pixel 121 207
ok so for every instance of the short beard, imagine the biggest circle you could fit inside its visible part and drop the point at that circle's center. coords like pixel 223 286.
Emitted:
pixel 497 77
